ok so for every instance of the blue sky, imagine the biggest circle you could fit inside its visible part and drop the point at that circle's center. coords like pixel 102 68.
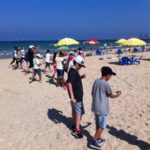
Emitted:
pixel 80 19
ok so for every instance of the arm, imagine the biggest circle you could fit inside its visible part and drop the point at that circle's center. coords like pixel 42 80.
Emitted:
pixel 83 76
pixel 115 95
pixel 71 92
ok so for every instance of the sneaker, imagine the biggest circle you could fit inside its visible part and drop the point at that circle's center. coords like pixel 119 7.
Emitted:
pixel 77 134
pixel 95 145
pixel 101 141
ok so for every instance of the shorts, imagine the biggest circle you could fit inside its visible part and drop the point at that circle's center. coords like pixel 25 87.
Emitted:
pixel 78 108
pixel 60 72
pixel 47 64
pixel 22 59
pixel 37 71
pixel 101 121
pixel 31 64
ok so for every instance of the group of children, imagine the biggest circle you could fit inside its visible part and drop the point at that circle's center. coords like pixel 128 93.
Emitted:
pixel 101 91
pixel 57 63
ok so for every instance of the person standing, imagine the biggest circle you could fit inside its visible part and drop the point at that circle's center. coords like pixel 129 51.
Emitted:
pixel 36 68
pixel 14 56
pixel 60 69
pixel 48 61
pixel 101 92
pixel 22 53
pixel 75 90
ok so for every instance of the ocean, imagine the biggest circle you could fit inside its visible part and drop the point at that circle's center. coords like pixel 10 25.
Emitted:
pixel 7 47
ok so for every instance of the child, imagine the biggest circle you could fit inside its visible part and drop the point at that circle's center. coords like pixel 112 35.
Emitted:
pixel 100 105
pixel 14 56
pixel 48 61
pixel 75 90
pixel 36 68
pixel 60 69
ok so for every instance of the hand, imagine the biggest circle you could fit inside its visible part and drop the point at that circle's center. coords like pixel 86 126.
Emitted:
pixel 83 76
pixel 119 93
pixel 73 101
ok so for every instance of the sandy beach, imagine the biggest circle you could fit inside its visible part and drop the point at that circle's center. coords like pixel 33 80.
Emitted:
pixel 37 116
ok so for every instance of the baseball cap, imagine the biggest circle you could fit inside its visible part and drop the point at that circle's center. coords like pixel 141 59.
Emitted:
pixel 107 70
pixel 38 55
pixel 79 60
pixel 31 46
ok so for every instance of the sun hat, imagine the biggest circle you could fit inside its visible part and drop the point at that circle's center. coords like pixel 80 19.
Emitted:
pixel 79 60
pixel 107 71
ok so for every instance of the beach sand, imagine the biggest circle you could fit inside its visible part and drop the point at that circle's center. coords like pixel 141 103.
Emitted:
pixel 37 116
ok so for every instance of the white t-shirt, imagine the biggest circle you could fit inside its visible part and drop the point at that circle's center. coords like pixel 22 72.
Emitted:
pixel 59 63
pixel 22 53
pixel 70 65
pixel 15 54
pixel 36 63
pixel 48 58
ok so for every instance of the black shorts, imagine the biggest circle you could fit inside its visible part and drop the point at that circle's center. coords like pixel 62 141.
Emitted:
pixel 60 72
pixel 37 71
pixel 31 64
pixel 47 64
pixel 21 60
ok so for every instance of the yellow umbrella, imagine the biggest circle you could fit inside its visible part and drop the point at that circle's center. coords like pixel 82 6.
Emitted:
pixel 67 41
pixel 134 42
pixel 121 41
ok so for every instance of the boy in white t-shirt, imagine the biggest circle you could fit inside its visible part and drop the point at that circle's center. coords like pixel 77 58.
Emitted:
pixel 48 61
pixel 36 68
pixel 60 69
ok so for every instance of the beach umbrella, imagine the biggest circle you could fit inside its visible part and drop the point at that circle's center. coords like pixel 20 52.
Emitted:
pixel 134 42
pixel 63 48
pixel 92 41
pixel 121 41
pixel 67 42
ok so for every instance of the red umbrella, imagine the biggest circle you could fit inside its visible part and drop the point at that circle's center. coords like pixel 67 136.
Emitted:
pixel 92 41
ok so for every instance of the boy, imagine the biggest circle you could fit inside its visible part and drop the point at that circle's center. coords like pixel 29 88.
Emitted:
pixel 36 68
pixel 60 69
pixel 75 90
pixel 101 93
pixel 48 61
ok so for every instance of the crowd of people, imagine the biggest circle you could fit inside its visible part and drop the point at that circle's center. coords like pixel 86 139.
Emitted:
pixel 57 63
pixel 71 62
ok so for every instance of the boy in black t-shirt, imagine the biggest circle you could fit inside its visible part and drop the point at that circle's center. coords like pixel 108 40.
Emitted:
pixel 75 90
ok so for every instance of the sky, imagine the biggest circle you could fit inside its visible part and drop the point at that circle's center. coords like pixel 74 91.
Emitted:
pixel 79 19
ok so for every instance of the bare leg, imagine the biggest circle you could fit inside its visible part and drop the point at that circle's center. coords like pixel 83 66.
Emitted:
pixel 78 120
pixel 74 118
pixel 98 133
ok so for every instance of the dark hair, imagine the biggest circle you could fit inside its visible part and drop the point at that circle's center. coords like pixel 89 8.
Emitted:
pixel 61 54
pixel 15 47
pixel 54 56
pixel 74 63
pixel 48 51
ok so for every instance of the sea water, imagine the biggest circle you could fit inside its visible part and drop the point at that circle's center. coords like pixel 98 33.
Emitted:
pixel 7 47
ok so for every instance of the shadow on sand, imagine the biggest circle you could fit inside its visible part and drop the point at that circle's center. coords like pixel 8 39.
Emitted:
pixel 51 80
pixel 146 59
pixel 57 117
pixel 131 139
pixel 114 63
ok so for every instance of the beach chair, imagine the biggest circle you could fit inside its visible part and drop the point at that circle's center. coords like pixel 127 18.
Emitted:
pixel 99 52
pixel 119 52
pixel 124 61
pixel 135 50
pixel 138 60
pixel 135 61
